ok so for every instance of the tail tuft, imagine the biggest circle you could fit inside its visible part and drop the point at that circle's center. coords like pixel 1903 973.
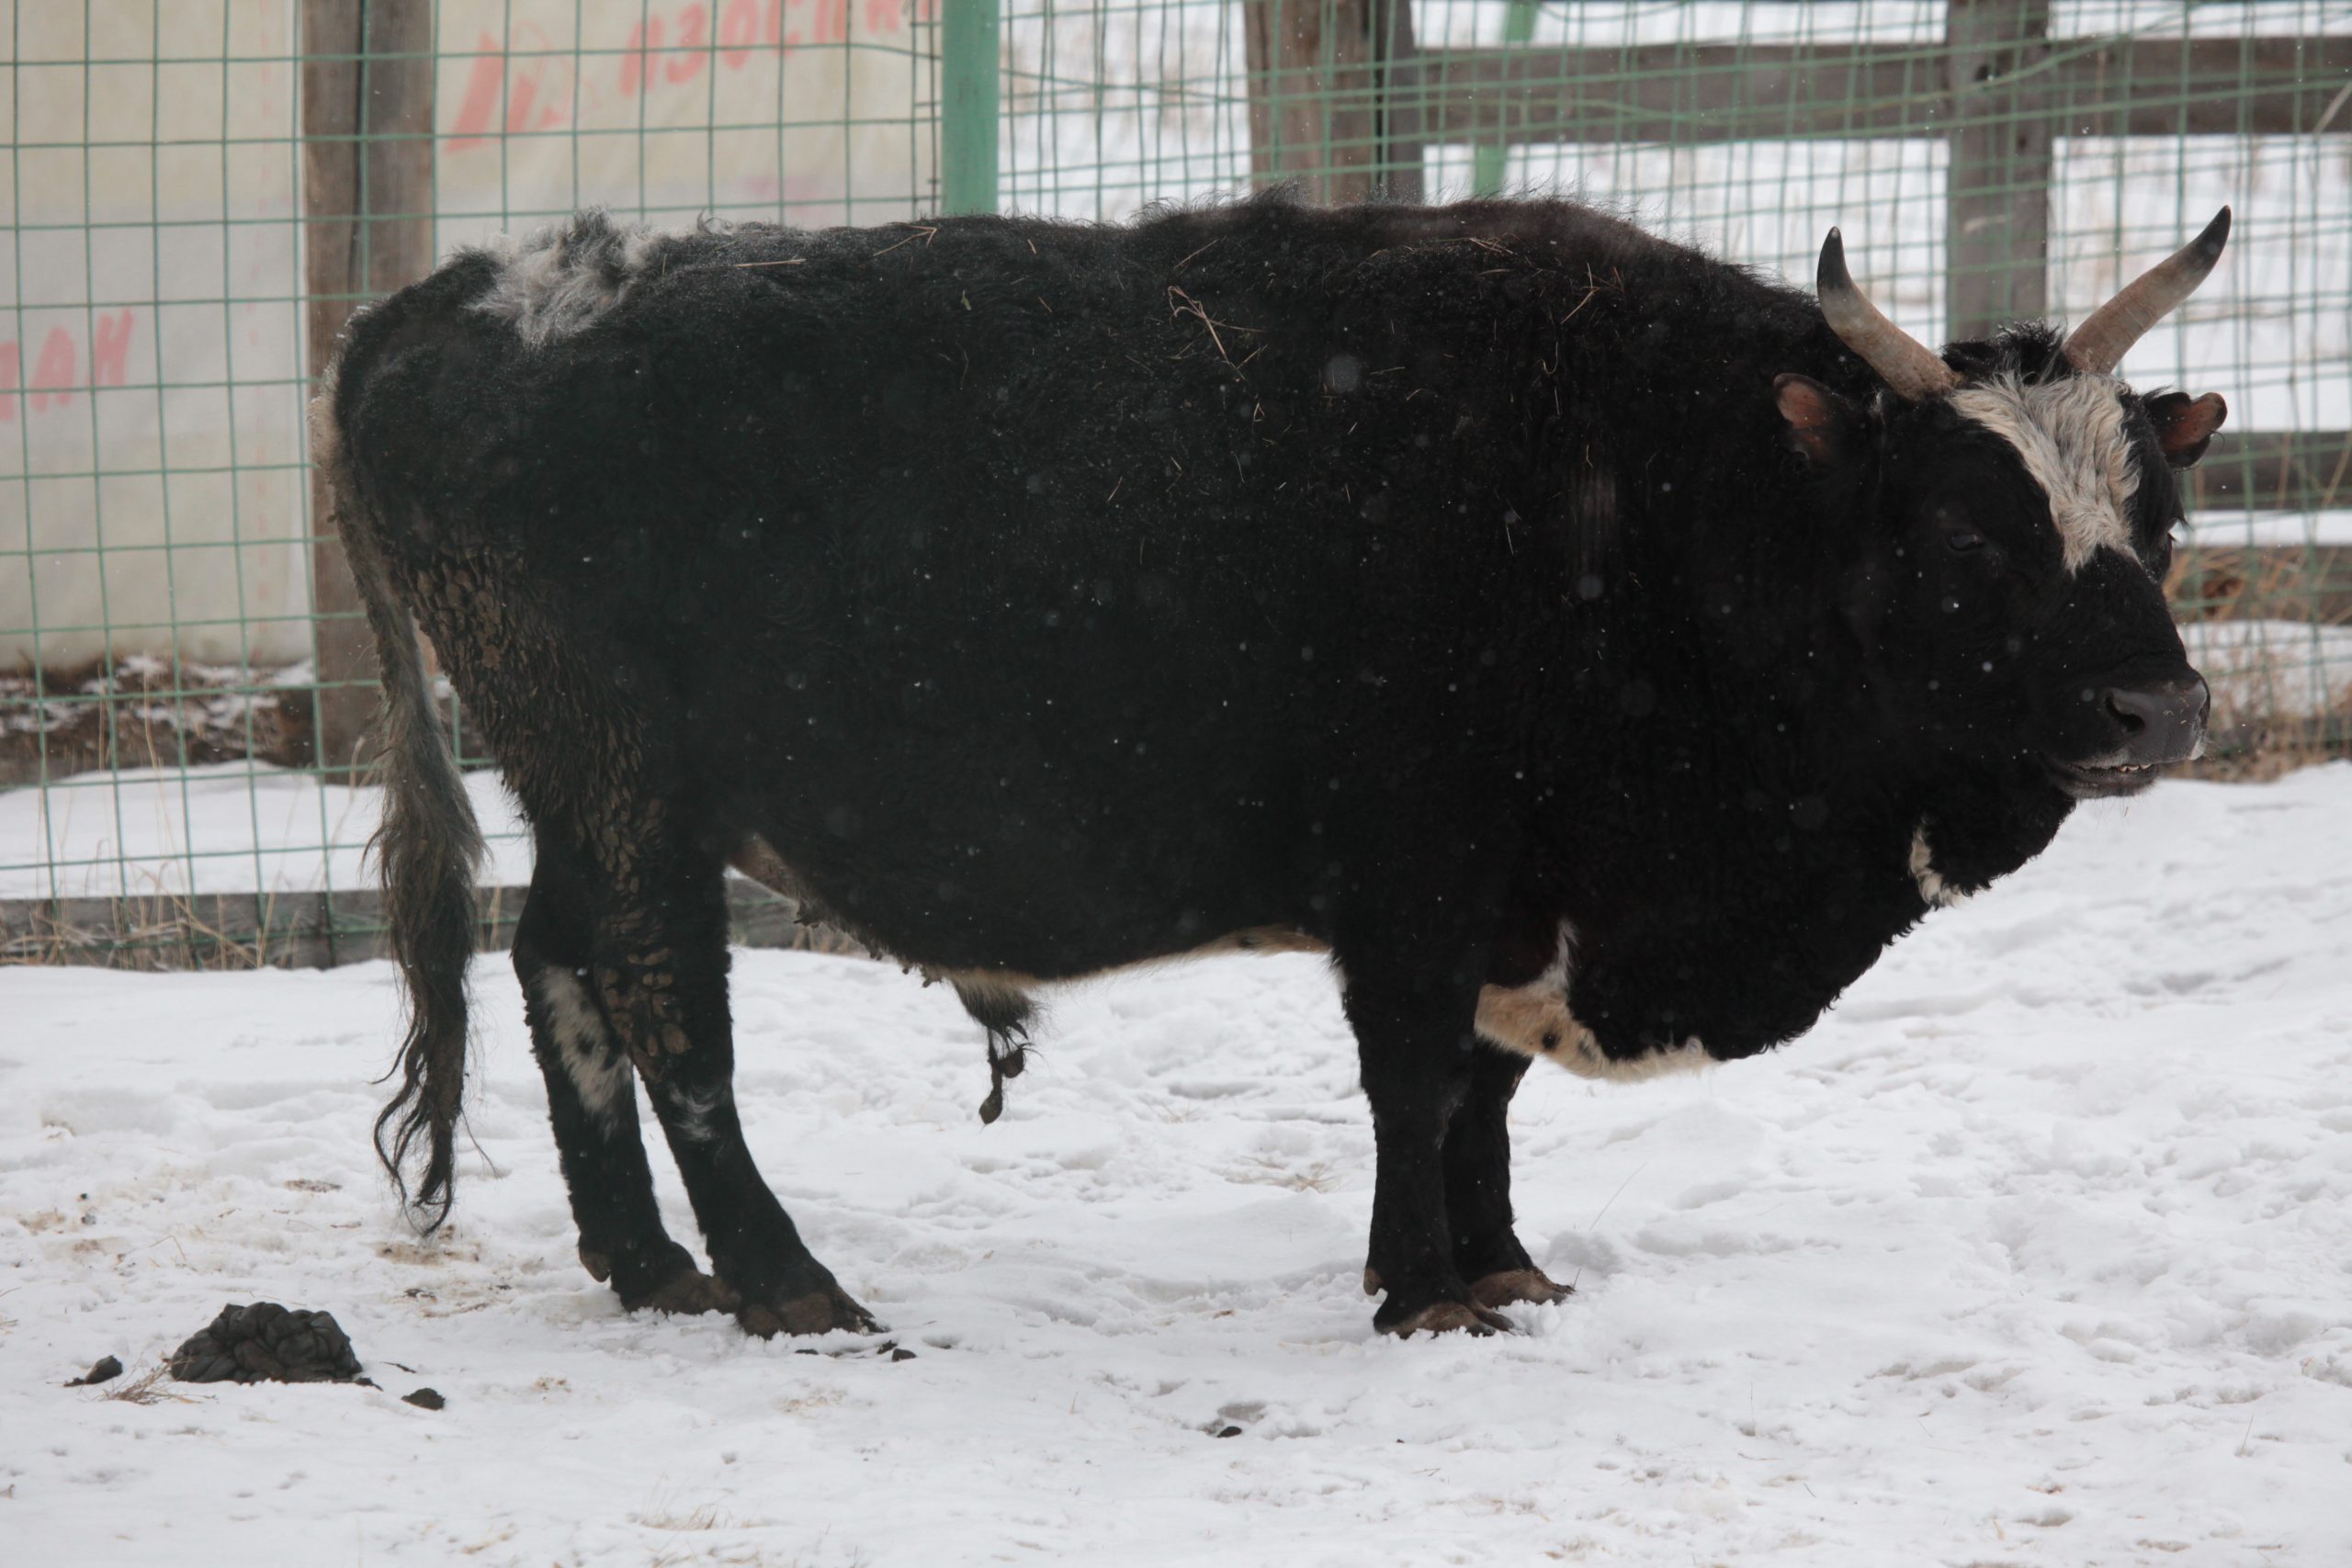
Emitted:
pixel 427 849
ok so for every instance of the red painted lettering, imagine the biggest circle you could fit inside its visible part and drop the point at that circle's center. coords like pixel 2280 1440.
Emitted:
pixel 480 102
pixel 110 350
pixel 11 366
pixel 772 33
pixel 833 21
pixel 519 99
pixel 885 15
pixel 694 32
pixel 53 371
pixel 637 64
pixel 736 29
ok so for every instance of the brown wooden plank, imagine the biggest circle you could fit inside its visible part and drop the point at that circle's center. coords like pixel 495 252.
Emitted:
pixel 1313 96
pixel 1685 93
pixel 1402 144
pixel 367 228
pixel 1997 178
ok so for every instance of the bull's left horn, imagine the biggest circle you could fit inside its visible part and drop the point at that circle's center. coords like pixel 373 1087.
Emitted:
pixel 2099 345
pixel 1910 366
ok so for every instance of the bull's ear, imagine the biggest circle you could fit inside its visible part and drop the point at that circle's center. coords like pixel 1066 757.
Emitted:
pixel 2186 424
pixel 1822 425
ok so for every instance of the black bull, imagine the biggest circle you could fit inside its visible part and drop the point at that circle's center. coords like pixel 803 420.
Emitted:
pixel 1599 651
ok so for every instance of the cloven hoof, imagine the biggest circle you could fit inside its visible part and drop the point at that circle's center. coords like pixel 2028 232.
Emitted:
pixel 694 1291
pixel 1511 1285
pixel 818 1311
pixel 1447 1317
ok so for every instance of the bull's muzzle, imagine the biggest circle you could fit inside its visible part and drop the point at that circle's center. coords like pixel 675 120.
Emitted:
pixel 2162 723
pixel 2153 723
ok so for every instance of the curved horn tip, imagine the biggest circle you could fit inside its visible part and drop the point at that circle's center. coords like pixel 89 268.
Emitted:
pixel 2216 234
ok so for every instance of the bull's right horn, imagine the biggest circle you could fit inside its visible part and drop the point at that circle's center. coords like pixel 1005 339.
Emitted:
pixel 1910 366
pixel 2099 345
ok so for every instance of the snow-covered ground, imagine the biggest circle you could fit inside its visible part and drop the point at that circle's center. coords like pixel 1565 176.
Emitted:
pixel 2038 1250
pixel 227 828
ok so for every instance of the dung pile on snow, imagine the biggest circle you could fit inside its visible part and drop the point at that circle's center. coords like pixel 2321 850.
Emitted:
pixel 264 1342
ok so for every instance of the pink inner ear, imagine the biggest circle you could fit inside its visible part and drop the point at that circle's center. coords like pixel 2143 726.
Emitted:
pixel 1804 403
pixel 2188 423
pixel 1812 414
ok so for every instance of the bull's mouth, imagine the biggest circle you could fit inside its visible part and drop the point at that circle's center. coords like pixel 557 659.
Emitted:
pixel 2098 781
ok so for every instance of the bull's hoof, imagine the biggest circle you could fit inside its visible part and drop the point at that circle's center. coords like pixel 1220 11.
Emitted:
pixel 1508 1286
pixel 691 1293
pixel 818 1312
pixel 1448 1317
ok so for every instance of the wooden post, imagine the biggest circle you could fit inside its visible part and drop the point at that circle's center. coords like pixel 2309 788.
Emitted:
pixel 1997 193
pixel 1315 93
pixel 367 228
pixel 1401 106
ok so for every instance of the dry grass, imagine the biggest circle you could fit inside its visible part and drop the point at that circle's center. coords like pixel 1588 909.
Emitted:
pixel 2253 741
pixel 147 1388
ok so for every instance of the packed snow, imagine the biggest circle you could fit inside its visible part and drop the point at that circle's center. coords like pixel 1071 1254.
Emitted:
pixel 2035 1251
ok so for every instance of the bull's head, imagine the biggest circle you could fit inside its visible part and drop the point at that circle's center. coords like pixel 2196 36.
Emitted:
pixel 2017 505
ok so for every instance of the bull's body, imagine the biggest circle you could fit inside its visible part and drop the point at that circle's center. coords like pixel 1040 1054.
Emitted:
pixel 1438 588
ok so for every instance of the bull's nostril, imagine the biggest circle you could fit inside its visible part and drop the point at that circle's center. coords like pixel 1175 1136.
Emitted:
pixel 2130 709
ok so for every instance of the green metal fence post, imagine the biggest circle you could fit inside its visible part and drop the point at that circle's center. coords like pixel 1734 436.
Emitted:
pixel 970 37
pixel 1491 158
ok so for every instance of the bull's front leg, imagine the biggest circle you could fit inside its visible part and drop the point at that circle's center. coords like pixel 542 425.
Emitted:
pixel 1419 1056
pixel 1487 1251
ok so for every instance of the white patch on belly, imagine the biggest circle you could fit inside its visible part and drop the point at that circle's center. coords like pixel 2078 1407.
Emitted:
pixel 1534 1020
pixel 599 1071
pixel 1940 894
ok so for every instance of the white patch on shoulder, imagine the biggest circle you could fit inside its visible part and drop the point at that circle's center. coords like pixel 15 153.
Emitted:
pixel 1534 1020
pixel 2070 434
pixel 560 279
pixel 598 1068
pixel 1940 894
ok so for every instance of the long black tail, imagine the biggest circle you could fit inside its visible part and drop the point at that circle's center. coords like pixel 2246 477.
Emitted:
pixel 427 850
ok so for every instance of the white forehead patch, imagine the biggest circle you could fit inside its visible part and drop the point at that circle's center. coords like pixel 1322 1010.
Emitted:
pixel 2070 434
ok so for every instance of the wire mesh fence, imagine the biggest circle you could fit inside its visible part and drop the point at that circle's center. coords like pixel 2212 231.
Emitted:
pixel 199 190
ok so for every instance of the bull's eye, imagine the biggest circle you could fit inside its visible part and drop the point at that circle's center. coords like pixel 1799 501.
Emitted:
pixel 1960 541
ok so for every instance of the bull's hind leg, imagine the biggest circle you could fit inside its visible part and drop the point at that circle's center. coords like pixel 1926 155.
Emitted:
pixel 660 973
pixel 591 1101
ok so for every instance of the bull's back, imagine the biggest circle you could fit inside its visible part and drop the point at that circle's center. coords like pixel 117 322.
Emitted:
pixel 1058 549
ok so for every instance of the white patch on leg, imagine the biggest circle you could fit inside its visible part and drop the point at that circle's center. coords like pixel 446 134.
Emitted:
pixel 1534 1020
pixel 1940 894
pixel 599 1071
pixel 2070 434
pixel 693 1109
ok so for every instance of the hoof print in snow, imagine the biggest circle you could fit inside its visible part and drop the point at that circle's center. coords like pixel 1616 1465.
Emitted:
pixel 106 1369
pixel 264 1342
pixel 424 1398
